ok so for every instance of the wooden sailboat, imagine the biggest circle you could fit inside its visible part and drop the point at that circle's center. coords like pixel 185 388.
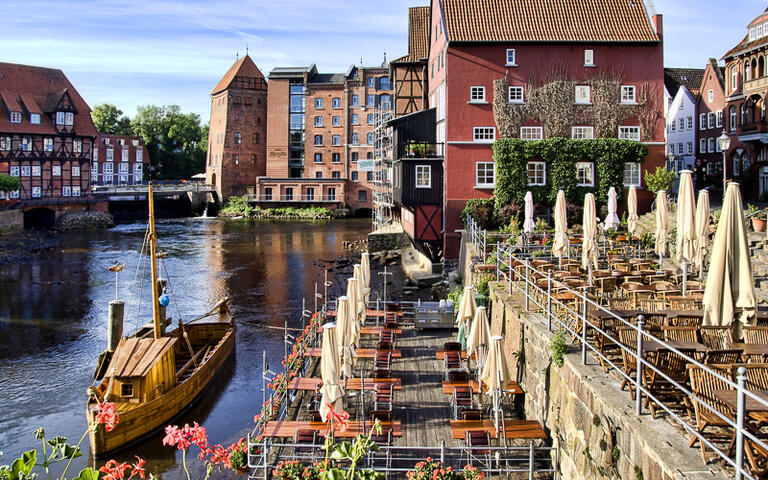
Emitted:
pixel 153 376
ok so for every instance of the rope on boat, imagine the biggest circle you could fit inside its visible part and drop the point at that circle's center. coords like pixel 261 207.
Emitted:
pixel 170 288
pixel 141 264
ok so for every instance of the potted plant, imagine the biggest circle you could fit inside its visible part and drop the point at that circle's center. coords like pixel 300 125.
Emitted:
pixel 757 217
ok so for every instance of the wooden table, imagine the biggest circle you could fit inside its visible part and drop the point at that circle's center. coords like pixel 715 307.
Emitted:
pixel 311 383
pixel 373 330
pixel 652 346
pixel 515 429
pixel 750 348
pixel 287 428
pixel 370 313
pixel 730 399
pixel 361 352
pixel 440 354
pixel 513 388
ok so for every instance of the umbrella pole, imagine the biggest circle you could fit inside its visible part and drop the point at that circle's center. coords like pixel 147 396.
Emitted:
pixel 362 397
pixel 685 277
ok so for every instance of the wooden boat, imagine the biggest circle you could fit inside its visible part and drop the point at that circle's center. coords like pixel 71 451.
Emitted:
pixel 153 376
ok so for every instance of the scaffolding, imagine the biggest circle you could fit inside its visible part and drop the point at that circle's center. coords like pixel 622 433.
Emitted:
pixel 382 175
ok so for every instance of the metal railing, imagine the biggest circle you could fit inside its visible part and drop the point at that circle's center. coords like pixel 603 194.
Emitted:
pixel 519 275
pixel 157 188
pixel 292 198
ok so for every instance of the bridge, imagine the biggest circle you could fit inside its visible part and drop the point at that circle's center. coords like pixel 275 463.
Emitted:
pixel 161 189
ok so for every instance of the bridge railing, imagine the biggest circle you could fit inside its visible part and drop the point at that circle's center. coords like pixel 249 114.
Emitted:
pixel 293 198
pixel 158 188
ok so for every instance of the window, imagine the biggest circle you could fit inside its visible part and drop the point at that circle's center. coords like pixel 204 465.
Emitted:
pixel 680 148
pixel 710 95
pixel 26 144
pixel 511 57
pixel 355 119
pixel 702 121
pixel 318 103
pixel 362 196
pixel 310 193
pixel 336 157
pixel 369 139
pixel 582 95
pixel 14 194
pixel 331 193
pixel 5 144
pixel 733 118
pixel 318 121
pixel 76 170
pixel 370 119
pixel 672 126
pixel 110 154
pixel 336 174
pixel 423 176
pixel 69 118
pixel 719 119
pixel 66 191
pixel 34 118
pixel 15 117
pixel 336 121
pixel 631 174
pixel 109 168
pixel 717 147
pixel 629 133
pixel 354 157
pixel 736 166
pixel 371 82
pixel 369 155
pixel 137 167
pixel 355 100
pixel 476 94
pixel 628 94
pixel 56 170
pixel 336 102
pixel 289 193
pixel 369 176
pixel 77 145
pixel 537 173
pixel 238 139
pixel 235 159
pixel 531 133
pixel 318 139
pixel 36 192
pixel 689 148
pixel 355 139
pixel 582 132
pixel 711 145
pixel 318 158
pixel 689 121
pixel 585 174
pixel 60 119
pixel 14 172
pixel 702 145
pixel 516 95
pixel 268 193
pixel 25 170
pixel 734 79
pixel 336 140
pixel 385 101
pixel 384 83
pixel 48 144
pixel 589 58
pixel 371 100
pixel 318 174
pixel 354 176
pixel 710 120
pixel 36 170
pixel 681 124
pixel 139 155
pixel 484 134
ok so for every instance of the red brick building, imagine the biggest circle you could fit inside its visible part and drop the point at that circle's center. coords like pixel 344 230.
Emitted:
pixel 746 85
pixel 238 130
pixel 46 137
pixel 710 109
pixel 119 160
pixel 474 43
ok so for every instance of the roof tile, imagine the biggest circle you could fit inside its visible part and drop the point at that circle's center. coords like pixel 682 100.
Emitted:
pixel 244 67
pixel 691 78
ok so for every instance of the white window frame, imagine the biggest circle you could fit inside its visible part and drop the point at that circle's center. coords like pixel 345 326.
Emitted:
pixel 477 94
pixel 419 179
pixel 318 157
pixel 355 119
pixel 15 117
pixel 66 191
pixel 702 145
pixel 336 121
pixel 140 155
pixel 635 170
pixel 69 118
pixel 34 118
pixel 586 132
pixel 628 95
pixel 318 121
pixel 710 120
pixel 480 134
pixel 77 145
pixel 56 170
pixel 679 148
pixel 110 154
pixel 336 102
pixel 672 125
pixel 511 58
pixel 531 133
pixel 516 94
pixel 681 124
pixel 60 119
pixel 579 96
pixel 37 192
pixel 335 139
pixel 711 145
pixel 318 141
pixel 589 58
pixel 719 119
pixel 26 171
pixel 122 168
pixel 318 103
pixel 137 168
pixel 689 148
pixel 15 171
pixel 536 165
pixel 629 132
pixel 702 121
pixel 47 144
pixel 485 183
pixel 591 181
pixel 37 171
pixel 108 169
pixel 689 123
pixel 710 95
pixel 734 118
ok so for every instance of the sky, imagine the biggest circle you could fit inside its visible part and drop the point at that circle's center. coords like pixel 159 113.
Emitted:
pixel 163 52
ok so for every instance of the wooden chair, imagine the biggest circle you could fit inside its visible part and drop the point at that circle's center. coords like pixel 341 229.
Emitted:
pixel 381 415
pixel 683 320
pixel 628 338
pixel 385 345
pixel 381 373
pixel 707 407
pixel 687 303
pixel 476 440
pixel 694 287
pixel 451 361
pixel 672 366
pixel 755 335
pixel 458 375
pixel 652 305
pixel 471 414
pixel 452 346
pixel 757 379
pixel 681 334
pixel 461 399
pixel 722 357
pixel 383 398
pixel 311 438
pixel 717 338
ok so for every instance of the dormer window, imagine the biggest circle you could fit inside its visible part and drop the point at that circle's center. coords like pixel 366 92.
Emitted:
pixel 69 118
pixel 589 58
pixel 15 117
pixel 752 34
pixel 34 118
pixel 511 60
pixel 60 118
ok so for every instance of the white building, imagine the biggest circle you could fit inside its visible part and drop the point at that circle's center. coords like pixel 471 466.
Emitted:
pixel 681 89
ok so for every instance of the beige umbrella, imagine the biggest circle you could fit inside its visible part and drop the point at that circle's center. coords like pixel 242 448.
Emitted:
pixel 344 338
pixel 730 287
pixel 466 313
pixel 354 314
pixel 589 228
pixel 560 244
pixel 612 220
pixel 479 339
pixel 358 274
pixel 365 262
pixel 702 229
pixel 528 224
pixel 632 217
pixel 331 390
pixel 661 224
pixel 686 224
pixel 496 375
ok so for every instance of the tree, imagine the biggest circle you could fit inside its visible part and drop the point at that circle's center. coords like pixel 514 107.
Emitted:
pixel 660 179
pixel 9 183
pixel 110 120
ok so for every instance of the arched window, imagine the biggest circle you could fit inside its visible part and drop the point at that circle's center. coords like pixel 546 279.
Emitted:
pixel 747 72
pixel 755 72
pixel 732 117
pixel 761 67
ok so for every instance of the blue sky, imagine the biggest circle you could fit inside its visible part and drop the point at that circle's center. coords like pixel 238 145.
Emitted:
pixel 136 52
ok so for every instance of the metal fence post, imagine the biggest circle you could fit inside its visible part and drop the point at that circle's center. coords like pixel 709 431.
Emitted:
pixel 530 461
pixel 485 244
pixel 584 328
pixel 549 300
pixel 740 379
pixel 511 274
pixel 442 452
pixel 264 454
pixel 639 366
pixel 527 299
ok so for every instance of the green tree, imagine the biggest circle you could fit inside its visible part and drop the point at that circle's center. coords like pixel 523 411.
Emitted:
pixel 9 183
pixel 109 119
pixel 659 179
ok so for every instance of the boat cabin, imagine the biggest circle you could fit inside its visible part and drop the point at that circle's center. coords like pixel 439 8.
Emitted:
pixel 142 369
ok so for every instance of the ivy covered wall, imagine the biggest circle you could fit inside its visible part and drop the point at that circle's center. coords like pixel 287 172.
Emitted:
pixel 560 155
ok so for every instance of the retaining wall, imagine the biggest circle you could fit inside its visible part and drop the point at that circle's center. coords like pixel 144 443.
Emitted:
pixel 11 221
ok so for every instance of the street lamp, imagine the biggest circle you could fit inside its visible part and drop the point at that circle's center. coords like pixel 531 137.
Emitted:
pixel 671 162
pixel 724 141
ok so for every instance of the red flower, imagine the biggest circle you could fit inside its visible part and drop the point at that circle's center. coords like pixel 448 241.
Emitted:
pixel 137 468
pixel 107 415
pixel 220 455
pixel 197 435
pixel 114 470
pixel 176 437
pixel 340 421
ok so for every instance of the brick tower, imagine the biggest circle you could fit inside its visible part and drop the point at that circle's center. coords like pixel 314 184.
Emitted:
pixel 238 130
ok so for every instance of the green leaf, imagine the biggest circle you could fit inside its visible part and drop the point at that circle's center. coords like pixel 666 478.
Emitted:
pixel 369 475
pixel 56 441
pixel 70 451
pixel 88 473
pixel 22 466
pixel 40 434
pixel 332 474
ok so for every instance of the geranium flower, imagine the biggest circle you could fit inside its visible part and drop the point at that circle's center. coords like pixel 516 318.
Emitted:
pixel 114 470
pixel 138 467
pixel 340 421
pixel 107 416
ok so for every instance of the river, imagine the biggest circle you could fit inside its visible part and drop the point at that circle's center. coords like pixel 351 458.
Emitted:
pixel 53 311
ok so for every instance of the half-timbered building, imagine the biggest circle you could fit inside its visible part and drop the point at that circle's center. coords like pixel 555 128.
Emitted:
pixel 409 72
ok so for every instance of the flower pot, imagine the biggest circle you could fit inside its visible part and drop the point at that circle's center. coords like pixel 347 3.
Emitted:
pixel 758 224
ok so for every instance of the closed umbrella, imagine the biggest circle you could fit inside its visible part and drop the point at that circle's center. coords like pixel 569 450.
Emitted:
pixel 632 217
pixel 353 312
pixel 686 224
pixel 365 262
pixel 589 228
pixel 661 225
pixel 358 274
pixel 344 338
pixel 702 229
pixel 496 375
pixel 332 391
pixel 730 287
pixel 466 313
pixel 560 244
pixel 529 224
pixel 479 339
pixel 612 220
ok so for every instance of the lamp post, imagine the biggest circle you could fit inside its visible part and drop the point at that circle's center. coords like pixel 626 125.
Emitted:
pixel 724 141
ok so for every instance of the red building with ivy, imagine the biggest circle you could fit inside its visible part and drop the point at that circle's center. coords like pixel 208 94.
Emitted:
pixel 532 70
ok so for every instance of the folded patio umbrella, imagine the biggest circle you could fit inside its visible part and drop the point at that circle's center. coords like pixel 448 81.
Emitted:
pixel 496 374
pixel 358 274
pixel 560 244
pixel 702 228
pixel 365 262
pixel 632 217
pixel 529 224
pixel 589 228
pixel 730 288
pixel 686 219
pixel 465 314
pixel 332 391
pixel 480 333
pixel 612 220
pixel 661 224
pixel 353 311
pixel 344 338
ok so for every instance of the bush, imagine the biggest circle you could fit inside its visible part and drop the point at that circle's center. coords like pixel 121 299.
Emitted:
pixel 558 348
pixel 506 213
pixel 574 213
pixel 9 183
pixel 482 210
pixel 659 179
pixel 236 207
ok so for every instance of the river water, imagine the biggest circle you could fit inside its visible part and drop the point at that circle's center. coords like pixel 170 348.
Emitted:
pixel 53 311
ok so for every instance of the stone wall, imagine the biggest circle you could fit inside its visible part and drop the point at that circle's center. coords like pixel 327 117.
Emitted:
pixel 587 416
pixel 387 241
pixel 11 221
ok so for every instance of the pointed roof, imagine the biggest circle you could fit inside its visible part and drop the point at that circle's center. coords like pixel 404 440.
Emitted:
pixel 418 35
pixel 244 67
pixel 717 70
pixel 691 78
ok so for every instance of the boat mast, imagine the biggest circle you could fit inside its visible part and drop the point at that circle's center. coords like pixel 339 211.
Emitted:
pixel 158 329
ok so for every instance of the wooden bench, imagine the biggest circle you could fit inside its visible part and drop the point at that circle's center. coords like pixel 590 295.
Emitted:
pixel 311 383
pixel 515 429
pixel 448 385
pixel 361 352
pixel 287 428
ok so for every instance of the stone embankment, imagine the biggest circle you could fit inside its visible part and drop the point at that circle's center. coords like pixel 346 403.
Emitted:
pixel 78 221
